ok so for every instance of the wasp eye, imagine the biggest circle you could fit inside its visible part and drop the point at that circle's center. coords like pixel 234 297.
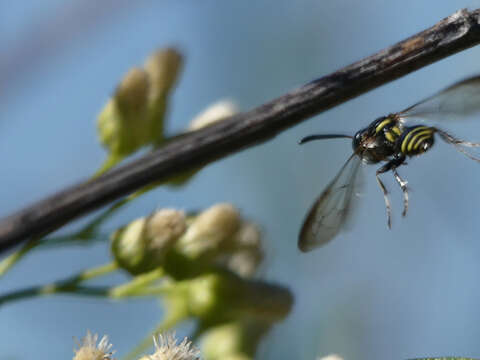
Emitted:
pixel 357 140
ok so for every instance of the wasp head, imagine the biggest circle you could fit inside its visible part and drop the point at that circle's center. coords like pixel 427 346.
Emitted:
pixel 371 146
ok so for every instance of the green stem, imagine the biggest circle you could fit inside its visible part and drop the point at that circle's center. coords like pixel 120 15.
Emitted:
pixel 69 285
pixel 110 162
pixel 34 291
pixel 96 272
pixel 153 290
pixel 11 260
pixel 137 285
pixel 87 232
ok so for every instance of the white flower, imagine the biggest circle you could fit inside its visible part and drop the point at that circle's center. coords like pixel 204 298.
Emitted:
pixel 166 348
pixel 89 350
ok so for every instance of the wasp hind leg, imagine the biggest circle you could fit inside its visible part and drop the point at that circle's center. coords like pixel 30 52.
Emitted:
pixel 458 143
pixel 392 165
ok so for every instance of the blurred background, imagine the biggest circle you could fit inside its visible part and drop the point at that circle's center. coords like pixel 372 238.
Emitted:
pixel 373 293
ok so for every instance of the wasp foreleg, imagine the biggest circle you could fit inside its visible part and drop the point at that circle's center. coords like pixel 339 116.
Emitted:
pixel 391 165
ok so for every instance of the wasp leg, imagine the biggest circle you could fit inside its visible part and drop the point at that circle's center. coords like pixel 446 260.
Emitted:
pixel 391 165
pixel 458 143
pixel 403 186
pixel 387 201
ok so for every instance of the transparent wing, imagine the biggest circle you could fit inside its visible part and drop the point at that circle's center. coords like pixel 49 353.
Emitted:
pixel 332 208
pixel 458 100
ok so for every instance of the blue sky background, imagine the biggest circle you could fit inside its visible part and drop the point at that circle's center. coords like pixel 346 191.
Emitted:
pixel 370 294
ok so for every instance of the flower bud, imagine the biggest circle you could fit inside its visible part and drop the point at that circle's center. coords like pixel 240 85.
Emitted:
pixel 248 236
pixel 234 341
pixel 221 296
pixel 207 295
pixel 211 231
pixel 163 68
pixel 142 245
pixel 223 340
pixel 245 262
pixel 164 227
pixel 134 116
pixel 214 113
pixel 211 297
pixel 248 257
pixel 131 94
pixel 123 123
pixel 246 253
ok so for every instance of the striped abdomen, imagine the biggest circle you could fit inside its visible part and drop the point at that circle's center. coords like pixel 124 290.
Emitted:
pixel 416 140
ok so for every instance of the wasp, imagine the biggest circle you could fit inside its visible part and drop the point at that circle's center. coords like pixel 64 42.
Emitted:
pixel 388 140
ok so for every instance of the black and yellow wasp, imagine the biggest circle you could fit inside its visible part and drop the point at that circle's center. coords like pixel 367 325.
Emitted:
pixel 387 139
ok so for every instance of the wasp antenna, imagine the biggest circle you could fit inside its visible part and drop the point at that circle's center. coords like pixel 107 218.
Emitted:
pixel 323 137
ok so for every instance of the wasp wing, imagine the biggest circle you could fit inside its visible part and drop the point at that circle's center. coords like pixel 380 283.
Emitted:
pixel 330 211
pixel 458 100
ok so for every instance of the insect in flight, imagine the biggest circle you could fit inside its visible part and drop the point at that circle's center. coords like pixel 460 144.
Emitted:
pixel 388 139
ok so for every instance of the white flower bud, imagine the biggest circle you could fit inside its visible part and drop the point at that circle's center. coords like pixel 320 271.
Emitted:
pixel 245 262
pixel 246 253
pixel 248 236
pixel 214 113
pixel 212 230
pixel 142 245
pixel 164 227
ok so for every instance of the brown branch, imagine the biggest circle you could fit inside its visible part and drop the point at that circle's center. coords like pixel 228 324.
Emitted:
pixel 453 34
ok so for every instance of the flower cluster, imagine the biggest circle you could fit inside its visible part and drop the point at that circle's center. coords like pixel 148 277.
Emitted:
pixel 134 116
pixel 202 265
pixel 216 236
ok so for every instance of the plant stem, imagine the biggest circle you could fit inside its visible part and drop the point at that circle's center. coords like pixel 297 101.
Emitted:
pixel 137 284
pixel 11 260
pixel 69 285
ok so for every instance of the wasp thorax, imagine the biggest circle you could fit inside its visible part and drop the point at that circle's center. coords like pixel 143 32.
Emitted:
pixel 371 146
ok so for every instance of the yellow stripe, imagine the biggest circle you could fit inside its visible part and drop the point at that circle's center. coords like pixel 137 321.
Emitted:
pixel 382 125
pixel 396 130
pixel 390 136
pixel 420 140
pixel 416 136
pixel 405 139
